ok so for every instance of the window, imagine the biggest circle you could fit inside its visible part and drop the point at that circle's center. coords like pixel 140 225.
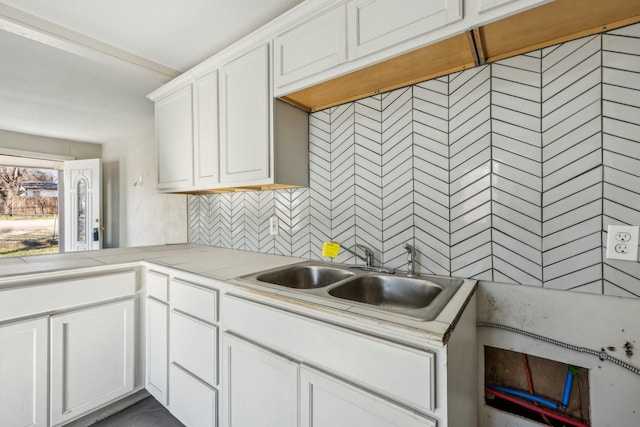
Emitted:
pixel 29 220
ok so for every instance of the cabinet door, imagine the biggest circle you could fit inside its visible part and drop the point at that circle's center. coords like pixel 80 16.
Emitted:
pixel 174 138
pixel 157 367
pixel 192 401
pixel 260 388
pixel 328 402
pixel 313 46
pixel 245 116
pixel 378 24
pixel 23 373
pixel 92 358
pixel 205 138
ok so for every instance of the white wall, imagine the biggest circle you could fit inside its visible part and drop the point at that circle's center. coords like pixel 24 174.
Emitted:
pixel 138 215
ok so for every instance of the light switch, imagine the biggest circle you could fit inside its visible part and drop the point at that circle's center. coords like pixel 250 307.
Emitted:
pixel 622 242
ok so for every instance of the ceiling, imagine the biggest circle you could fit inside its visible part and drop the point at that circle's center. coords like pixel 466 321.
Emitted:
pixel 81 69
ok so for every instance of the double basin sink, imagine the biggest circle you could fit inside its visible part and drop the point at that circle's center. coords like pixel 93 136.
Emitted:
pixel 418 297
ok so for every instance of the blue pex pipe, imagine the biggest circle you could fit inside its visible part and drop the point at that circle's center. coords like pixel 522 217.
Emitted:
pixel 567 388
pixel 524 395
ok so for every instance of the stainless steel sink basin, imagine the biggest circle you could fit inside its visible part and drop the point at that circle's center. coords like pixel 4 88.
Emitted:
pixel 307 276
pixel 390 292
pixel 417 298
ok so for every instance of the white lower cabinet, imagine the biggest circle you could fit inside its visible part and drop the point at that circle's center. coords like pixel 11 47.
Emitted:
pixel 92 358
pixel 326 401
pixel 276 360
pixel 157 349
pixel 182 343
pixel 192 401
pixel 240 358
pixel 23 373
pixel 260 388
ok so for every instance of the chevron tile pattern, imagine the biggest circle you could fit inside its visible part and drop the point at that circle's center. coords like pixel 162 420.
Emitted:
pixel 199 217
pixel 517 169
pixel 470 173
pixel 319 181
pixel 397 176
pixel 621 149
pixel 225 215
pixel 252 224
pixel 343 211
pixel 572 165
pixel 292 210
pixel 369 191
pixel 431 175
pixel 265 210
pixel 509 172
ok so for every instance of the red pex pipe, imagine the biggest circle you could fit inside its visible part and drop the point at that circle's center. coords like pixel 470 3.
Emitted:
pixel 537 409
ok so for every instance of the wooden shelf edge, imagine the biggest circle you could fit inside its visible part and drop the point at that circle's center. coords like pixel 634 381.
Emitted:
pixel 585 33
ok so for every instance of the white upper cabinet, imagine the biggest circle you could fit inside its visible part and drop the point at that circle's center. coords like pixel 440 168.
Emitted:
pixel 224 129
pixel 187 136
pixel 315 45
pixel 206 136
pixel 485 11
pixel 245 100
pixel 174 136
pixel 485 5
pixel 378 24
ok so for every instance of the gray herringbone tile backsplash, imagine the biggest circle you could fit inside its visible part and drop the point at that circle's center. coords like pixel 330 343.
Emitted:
pixel 509 172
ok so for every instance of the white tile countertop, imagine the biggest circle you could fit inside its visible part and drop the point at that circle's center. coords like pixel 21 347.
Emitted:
pixel 227 265
pixel 217 263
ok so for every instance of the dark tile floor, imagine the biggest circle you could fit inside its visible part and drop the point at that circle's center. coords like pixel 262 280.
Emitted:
pixel 146 413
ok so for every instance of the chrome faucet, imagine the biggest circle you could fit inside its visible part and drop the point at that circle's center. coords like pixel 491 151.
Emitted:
pixel 368 253
pixel 411 256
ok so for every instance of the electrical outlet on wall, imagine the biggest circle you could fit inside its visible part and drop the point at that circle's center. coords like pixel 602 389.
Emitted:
pixel 273 225
pixel 622 242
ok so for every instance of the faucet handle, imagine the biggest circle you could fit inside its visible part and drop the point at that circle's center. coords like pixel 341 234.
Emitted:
pixel 367 252
pixel 411 255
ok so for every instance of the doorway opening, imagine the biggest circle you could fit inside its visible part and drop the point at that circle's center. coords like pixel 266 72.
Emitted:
pixel 29 216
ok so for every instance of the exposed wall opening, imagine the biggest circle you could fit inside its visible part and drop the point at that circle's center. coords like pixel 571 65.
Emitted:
pixel 545 391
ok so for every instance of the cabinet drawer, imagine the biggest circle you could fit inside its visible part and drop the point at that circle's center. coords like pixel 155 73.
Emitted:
pixel 195 300
pixel 46 297
pixel 194 346
pixel 191 401
pixel 158 285
pixel 402 373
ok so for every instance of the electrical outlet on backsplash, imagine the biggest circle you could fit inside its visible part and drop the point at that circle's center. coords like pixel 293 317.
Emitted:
pixel 508 172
